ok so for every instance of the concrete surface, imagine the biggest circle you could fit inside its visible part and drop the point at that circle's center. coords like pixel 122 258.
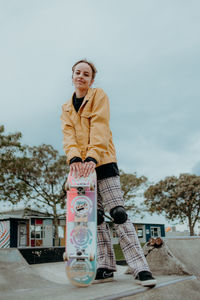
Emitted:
pixel 162 261
pixel 57 286
pixel 21 281
pixel 183 290
pixel 187 251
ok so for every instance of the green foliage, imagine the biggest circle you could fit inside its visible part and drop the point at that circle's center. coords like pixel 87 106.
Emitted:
pixel 43 172
pixel 130 185
pixel 31 173
pixel 10 148
pixel 34 174
pixel 177 198
pixel 10 143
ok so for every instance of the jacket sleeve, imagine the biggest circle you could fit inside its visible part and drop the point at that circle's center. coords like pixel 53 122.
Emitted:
pixel 69 137
pixel 99 127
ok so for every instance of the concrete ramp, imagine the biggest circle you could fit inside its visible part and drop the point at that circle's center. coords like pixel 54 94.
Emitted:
pixel 20 281
pixel 187 251
pixel 16 274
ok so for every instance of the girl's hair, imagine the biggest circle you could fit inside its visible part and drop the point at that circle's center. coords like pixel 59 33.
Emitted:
pixel 92 66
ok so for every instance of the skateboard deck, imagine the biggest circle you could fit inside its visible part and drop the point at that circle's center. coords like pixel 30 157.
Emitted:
pixel 81 230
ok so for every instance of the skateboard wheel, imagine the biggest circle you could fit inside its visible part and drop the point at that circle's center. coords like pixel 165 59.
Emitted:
pixel 91 186
pixel 65 256
pixel 92 256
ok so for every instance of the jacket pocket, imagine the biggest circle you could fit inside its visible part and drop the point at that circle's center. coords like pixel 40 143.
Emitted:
pixel 85 126
pixel 85 121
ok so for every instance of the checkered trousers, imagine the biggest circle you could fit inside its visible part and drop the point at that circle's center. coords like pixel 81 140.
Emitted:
pixel 109 195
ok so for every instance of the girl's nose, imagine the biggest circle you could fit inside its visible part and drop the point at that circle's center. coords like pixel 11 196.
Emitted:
pixel 80 75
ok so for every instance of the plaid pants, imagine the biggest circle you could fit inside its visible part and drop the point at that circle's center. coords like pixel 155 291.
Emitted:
pixel 109 195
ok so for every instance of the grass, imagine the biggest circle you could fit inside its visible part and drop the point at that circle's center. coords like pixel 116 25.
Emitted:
pixel 118 251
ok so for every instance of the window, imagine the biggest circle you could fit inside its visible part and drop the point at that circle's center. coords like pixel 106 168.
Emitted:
pixel 61 232
pixel 140 232
pixel 37 232
pixel 155 231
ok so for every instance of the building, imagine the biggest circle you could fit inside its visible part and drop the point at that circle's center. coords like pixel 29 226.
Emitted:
pixel 26 228
pixel 144 231
pixel 29 228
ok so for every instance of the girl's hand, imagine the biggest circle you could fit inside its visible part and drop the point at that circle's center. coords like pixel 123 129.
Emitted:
pixel 76 169
pixel 88 168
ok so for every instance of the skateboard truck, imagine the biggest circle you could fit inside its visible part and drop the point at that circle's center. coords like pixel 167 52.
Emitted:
pixel 80 255
pixel 80 189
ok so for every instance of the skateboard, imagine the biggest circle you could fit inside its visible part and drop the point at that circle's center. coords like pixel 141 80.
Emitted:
pixel 81 230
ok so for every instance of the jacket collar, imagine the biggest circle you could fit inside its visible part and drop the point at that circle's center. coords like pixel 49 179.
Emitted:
pixel 88 96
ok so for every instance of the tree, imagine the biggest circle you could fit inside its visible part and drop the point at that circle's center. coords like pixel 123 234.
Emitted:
pixel 36 175
pixel 44 172
pixel 10 149
pixel 178 198
pixel 130 185
pixel 10 143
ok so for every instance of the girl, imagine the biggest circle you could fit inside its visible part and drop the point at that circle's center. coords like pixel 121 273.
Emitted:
pixel 89 146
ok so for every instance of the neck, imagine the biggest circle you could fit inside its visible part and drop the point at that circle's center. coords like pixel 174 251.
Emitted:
pixel 80 93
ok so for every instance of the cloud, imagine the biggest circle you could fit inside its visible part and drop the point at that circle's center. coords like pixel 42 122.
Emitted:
pixel 147 56
pixel 196 168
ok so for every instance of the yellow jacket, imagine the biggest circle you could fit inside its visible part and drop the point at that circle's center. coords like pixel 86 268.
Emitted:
pixel 87 133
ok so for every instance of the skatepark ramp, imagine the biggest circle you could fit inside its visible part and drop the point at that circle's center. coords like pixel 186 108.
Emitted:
pixel 187 251
pixel 176 256
pixel 21 281
pixel 16 274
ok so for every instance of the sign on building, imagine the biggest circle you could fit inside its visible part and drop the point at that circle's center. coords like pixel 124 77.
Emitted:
pixel 4 234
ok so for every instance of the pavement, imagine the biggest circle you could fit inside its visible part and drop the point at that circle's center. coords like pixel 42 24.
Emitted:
pixel 21 281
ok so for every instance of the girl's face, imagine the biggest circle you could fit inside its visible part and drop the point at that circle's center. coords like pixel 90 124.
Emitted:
pixel 82 76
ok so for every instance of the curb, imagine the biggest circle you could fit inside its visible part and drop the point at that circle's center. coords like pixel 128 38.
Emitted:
pixel 142 290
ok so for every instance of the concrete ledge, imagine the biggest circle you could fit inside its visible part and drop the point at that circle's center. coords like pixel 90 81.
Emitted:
pixel 142 290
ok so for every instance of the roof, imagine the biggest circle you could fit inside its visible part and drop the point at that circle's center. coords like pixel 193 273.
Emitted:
pixel 25 213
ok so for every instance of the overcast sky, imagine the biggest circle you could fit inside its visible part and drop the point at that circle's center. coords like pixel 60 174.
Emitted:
pixel 147 53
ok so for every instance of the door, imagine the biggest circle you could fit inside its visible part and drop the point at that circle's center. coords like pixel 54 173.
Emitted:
pixel 48 233
pixel 22 234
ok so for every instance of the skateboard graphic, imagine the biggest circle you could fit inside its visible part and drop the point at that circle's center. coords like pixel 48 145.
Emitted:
pixel 81 230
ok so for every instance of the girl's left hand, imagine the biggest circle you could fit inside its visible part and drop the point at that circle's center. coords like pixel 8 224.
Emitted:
pixel 88 168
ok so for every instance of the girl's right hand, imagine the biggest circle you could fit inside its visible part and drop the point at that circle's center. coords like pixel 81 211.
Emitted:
pixel 76 169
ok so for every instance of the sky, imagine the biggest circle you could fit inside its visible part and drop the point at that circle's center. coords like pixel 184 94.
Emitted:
pixel 148 62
